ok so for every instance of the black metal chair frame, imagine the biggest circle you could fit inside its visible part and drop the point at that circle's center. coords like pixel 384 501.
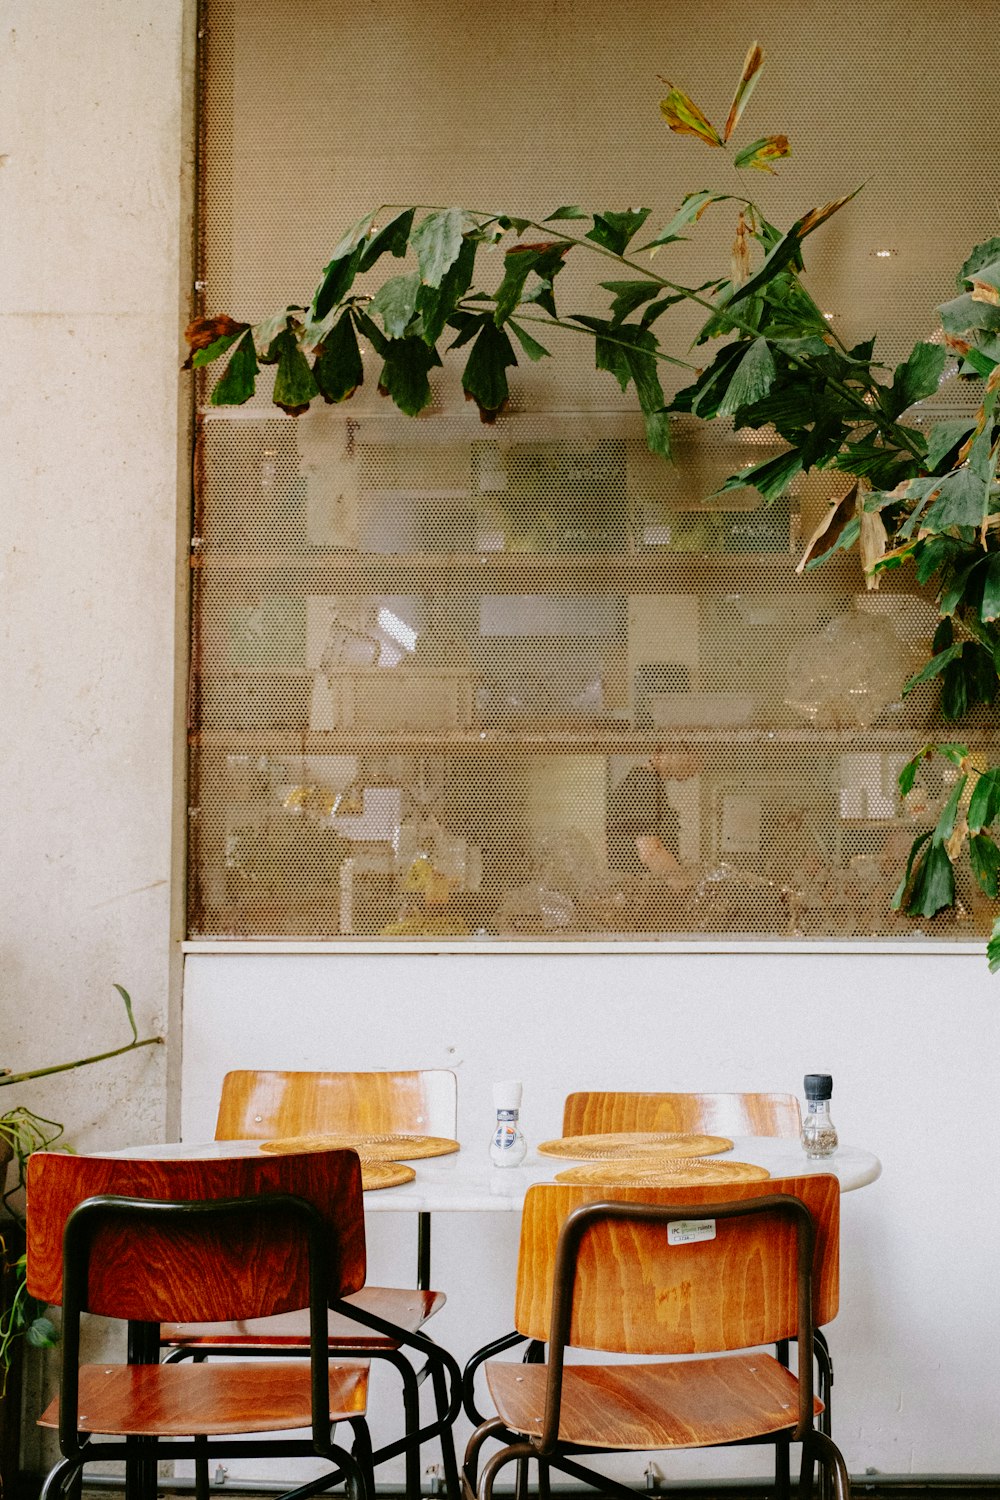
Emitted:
pixel 545 1447
pixel 142 1453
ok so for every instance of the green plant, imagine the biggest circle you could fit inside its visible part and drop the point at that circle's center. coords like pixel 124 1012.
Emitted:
pixel 22 1132
pixel 766 358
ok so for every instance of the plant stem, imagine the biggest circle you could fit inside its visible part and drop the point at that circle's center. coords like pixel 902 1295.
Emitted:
pixel 9 1078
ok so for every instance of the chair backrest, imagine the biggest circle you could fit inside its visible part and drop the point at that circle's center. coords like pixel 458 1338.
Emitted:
pixel 257 1104
pixel 635 1292
pixel 197 1268
pixel 596 1111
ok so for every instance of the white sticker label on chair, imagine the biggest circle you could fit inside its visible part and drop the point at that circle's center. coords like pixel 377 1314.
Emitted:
pixel 687 1231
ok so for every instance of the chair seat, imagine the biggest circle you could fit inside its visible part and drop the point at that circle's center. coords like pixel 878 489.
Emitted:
pixel 408 1309
pixel 689 1404
pixel 158 1400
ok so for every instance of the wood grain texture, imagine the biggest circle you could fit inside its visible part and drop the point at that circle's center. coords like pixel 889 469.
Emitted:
pixel 146 1400
pixel 193 1272
pixel 595 1111
pixel 409 1310
pixel 626 1143
pixel 637 1294
pixel 692 1404
pixel 637 1171
pixel 256 1104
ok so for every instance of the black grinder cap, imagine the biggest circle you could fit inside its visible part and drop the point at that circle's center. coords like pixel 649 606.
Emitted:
pixel 819 1085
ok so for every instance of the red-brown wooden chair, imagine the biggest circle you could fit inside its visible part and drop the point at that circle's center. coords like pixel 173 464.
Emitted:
pixel 146 1241
pixel 618 1274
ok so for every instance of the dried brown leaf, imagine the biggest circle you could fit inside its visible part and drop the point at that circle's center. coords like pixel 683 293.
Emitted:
pixel 842 509
pixel 872 541
pixel 204 331
pixel 740 255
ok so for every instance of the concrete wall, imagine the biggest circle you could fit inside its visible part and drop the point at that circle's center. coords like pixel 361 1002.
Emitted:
pixel 95 191
pixel 910 1036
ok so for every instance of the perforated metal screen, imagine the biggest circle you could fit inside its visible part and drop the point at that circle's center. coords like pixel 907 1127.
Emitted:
pixel 527 679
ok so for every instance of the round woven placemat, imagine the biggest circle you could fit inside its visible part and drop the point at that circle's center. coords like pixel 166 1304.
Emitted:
pixel 374 1147
pixel 383 1174
pixel 640 1171
pixel 634 1143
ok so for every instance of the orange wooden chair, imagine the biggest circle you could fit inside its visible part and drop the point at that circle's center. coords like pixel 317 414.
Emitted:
pixel 149 1240
pixel 596 1111
pixel 666 1271
pixel 258 1104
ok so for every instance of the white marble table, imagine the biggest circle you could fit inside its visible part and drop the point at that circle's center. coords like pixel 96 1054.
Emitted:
pixel 465 1182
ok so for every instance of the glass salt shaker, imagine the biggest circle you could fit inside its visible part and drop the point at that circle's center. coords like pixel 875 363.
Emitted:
pixel 508 1146
pixel 819 1134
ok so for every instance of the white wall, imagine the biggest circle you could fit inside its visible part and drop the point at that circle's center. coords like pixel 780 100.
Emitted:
pixel 95 188
pixel 912 1041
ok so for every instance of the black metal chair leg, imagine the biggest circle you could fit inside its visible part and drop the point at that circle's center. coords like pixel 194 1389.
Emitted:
pixel 362 1451
pixel 782 1469
pixel 201 1479
pixel 448 1459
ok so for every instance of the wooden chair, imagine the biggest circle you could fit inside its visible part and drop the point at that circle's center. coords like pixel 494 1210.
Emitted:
pixel 666 1271
pixel 259 1105
pixel 149 1240
pixel 597 1111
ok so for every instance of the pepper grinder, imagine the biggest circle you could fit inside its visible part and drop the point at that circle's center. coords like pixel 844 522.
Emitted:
pixel 819 1135
pixel 508 1146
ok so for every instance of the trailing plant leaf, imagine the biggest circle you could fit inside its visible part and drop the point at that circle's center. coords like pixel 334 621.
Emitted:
pixel 484 378
pixel 752 64
pixel 916 378
pixel 993 948
pixel 944 439
pixel 933 886
pixel 437 241
pixel 685 118
pixel 751 379
pixel 392 239
pixel 338 369
pixel 628 296
pixel 203 335
pixel 984 804
pixel 989 608
pixel 614 230
pixel 436 304
pixel 932 668
pixel 395 302
pixel 962 500
pixel 787 251
pixel 984 856
pixel 404 374
pixel 761 154
pixel 341 269
pixel 532 348
pixel 239 379
pixel 692 207
pixel 769 479
pixel 545 259
pixel 294 385
pixel 985 283
pixel 568 211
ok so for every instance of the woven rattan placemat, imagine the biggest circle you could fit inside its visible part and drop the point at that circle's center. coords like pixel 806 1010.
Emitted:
pixel 383 1174
pixel 374 1147
pixel 642 1172
pixel 634 1143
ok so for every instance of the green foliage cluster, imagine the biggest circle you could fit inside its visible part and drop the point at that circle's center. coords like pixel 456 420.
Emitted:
pixel 767 357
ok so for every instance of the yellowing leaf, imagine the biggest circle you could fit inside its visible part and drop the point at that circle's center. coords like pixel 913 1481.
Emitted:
pixel 752 65
pixel 684 117
pixel 760 154
pixel 817 216
pixel 740 254
pixel 872 540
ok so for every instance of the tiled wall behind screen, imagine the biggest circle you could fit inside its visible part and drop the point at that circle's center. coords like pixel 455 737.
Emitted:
pixel 527 680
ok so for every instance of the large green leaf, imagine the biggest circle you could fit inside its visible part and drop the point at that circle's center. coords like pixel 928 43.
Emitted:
pixel 980 256
pixel 436 304
pixel 294 384
pixel 239 378
pixel 984 804
pixel 752 378
pixel 391 239
pixel 395 302
pixel 962 500
pixel 404 374
pixel 961 314
pixel 933 886
pixel 984 856
pixel 944 438
pixel 614 230
pixel 770 478
pixel 484 378
pixel 341 269
pixel 437 242
pixel 546 260
pixel 338 369
pixel 916 378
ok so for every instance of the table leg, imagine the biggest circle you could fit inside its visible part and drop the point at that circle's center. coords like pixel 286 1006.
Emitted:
pixel 423 1252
